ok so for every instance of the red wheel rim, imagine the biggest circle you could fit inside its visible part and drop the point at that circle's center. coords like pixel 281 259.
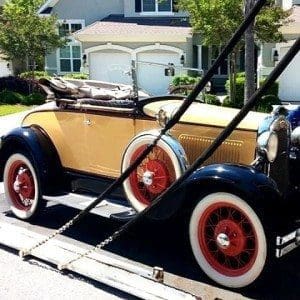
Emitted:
pixel 227 239
pixel 154 175
pixel 21 185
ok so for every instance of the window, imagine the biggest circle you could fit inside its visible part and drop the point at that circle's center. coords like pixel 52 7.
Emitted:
pixel 69 26
pixel 156 6
pixel 70 58
pixel 214 53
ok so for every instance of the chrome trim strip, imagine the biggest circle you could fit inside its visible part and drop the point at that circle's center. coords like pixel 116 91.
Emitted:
pixel 101 108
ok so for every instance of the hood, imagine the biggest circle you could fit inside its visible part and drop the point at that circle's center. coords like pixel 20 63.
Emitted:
pixel 205 114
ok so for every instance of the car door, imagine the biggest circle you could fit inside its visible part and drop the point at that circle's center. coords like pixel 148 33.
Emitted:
pixel 107 136
pixel 67 130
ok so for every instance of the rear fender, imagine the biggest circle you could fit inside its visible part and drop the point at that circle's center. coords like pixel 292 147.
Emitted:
pixel 34 141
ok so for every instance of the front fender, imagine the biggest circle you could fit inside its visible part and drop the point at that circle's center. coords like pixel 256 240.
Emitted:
pixel 255 187
pixel 34 141
pixel 245 179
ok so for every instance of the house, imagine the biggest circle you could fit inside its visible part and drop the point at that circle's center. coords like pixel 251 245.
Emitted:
pixel 111 34
pixel 107 36
pixel 5 66
pixel 270 54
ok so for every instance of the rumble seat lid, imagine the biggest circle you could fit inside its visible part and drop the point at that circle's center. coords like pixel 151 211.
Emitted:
pixel 206 114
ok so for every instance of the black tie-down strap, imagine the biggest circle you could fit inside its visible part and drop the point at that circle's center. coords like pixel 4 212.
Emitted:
pixel 218 141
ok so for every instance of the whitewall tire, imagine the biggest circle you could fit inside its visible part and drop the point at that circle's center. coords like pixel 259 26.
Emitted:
pixel 21 186
pixel 228 240
pixel 157 171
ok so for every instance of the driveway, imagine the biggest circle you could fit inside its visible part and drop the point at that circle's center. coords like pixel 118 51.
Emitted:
pixel 9 122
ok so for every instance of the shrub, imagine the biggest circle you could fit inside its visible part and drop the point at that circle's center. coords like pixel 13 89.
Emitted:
pixel 184 80
pixel 212 99
pixel 19 85
pixel 240 85
pixel 227 102
pixel 33 99
pixel 266 102
pixel 77 76
pixel 273 90
pixel 239 88
pixel 9 97
pixel 37 75
pixel 240 75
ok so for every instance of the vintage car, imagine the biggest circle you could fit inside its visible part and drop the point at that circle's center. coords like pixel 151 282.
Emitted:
pixel 236 203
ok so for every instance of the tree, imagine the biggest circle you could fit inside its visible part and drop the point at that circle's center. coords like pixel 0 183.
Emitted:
pixel 25 37
pixel 249 54
pixel 217 20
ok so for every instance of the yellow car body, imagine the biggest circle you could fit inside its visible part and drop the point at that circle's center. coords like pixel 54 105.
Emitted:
pixel 92 139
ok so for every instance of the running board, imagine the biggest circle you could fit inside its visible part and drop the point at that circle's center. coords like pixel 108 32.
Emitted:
pixel 287 243
pixel 107 208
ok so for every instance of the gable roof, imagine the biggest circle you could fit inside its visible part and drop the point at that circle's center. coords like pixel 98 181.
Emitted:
pixel 293 27
pixel 118 28
pixel 46 8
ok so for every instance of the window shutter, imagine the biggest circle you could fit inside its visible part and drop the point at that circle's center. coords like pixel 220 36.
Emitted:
pixel 175 5
pixel 138 5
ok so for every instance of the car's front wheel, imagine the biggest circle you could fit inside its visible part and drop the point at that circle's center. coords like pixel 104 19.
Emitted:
pixel 228 239
pixel 21 186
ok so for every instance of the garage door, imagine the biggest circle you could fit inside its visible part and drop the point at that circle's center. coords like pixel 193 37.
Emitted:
pixel 110 66
pixel 289 82
pixel 4 71
pixel 152 78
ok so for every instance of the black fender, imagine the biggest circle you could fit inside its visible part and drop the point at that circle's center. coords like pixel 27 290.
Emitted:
pixel 33 140
pixel 260 191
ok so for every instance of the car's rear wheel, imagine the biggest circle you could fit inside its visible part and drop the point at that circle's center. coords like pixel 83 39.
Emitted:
pixel 156 172
pixel 21 186
pixel 228 240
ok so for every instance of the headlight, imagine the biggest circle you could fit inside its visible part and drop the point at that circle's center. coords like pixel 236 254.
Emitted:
pixel 267 143
pixel 162 118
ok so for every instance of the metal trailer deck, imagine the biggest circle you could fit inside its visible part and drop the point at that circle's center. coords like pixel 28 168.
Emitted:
pixel 115 271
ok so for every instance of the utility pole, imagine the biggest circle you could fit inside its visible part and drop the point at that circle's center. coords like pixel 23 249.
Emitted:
pixel 249 54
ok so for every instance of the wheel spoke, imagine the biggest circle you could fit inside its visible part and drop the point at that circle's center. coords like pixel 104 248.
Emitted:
pixel 228 239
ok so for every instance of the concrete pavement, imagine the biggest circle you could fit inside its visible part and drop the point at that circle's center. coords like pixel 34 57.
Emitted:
pixel 9 122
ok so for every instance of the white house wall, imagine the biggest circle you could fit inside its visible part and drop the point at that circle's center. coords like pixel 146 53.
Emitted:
pixel 5 68
pixel 289 81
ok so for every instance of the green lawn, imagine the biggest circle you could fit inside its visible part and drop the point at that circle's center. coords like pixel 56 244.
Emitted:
pixel 6 109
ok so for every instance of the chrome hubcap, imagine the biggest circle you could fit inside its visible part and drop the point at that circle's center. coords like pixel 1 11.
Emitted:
pixel 20 185
pixel 223 241
pixel 148 178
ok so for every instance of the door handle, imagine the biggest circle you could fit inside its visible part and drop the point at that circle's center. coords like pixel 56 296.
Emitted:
pixel 87 122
